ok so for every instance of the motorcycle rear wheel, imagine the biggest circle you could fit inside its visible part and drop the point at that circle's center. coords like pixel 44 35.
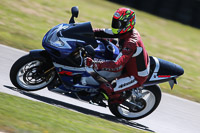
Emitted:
pixel 150 101
pixel 28 73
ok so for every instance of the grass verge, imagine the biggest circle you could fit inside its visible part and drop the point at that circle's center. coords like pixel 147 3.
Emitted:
pixel 23 24
pixel 22 115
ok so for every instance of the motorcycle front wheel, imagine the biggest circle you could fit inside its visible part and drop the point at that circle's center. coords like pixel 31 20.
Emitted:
pixel 133 109
pixel 31 74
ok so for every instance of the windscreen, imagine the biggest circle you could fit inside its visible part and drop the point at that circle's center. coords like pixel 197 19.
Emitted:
pixel 81 31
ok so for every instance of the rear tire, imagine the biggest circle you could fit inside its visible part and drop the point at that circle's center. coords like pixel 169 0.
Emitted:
pixel 148 105
pixel 27 73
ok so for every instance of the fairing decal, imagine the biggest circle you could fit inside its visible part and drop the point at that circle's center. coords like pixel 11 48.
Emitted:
pixel 155 75
pixel 65 73
pixel 78 69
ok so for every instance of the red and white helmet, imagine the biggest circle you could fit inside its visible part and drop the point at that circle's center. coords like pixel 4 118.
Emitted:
pixel 123 21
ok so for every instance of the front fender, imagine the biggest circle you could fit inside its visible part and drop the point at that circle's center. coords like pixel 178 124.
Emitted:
pixel 40 53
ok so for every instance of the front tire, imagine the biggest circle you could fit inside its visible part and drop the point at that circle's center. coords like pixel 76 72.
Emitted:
pixel 28 73
pixel 147 104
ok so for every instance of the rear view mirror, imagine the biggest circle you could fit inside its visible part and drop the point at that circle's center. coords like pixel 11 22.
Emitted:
pixel 74 11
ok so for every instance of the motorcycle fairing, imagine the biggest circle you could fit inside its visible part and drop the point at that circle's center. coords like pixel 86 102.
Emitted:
pixel 61 47
pixel 79 76
pixel 162 71
pixel 80 31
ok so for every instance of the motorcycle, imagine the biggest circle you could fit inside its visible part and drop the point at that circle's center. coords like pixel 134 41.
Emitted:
pixel 60 67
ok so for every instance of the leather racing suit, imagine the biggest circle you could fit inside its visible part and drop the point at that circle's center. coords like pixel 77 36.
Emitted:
pixel 133 58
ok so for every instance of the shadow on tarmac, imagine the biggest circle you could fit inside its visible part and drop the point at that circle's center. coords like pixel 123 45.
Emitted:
pixel 80 109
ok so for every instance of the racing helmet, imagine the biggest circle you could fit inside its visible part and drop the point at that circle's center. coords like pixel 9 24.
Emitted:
pixel 124 20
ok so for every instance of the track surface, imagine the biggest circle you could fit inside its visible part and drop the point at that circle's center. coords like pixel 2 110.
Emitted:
pixel 174 115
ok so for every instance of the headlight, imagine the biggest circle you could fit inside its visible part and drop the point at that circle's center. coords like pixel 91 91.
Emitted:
pixel 57 43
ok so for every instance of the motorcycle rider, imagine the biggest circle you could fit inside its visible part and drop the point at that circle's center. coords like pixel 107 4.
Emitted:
pixel 133 57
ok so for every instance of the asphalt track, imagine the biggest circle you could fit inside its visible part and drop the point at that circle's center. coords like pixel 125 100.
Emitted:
pixel 174 115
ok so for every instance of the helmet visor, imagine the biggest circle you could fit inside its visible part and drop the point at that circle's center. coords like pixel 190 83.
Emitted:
pixel 116 24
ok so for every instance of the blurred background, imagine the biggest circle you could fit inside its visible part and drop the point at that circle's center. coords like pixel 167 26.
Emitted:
pixel 169 29
pixel 184 11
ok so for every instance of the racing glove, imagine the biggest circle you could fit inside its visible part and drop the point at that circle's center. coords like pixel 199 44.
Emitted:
pixel 90 63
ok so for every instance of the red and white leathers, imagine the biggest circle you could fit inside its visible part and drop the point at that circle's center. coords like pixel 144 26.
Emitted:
pixel 133 58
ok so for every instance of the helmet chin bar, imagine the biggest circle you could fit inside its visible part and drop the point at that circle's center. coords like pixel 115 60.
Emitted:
pixel 115 31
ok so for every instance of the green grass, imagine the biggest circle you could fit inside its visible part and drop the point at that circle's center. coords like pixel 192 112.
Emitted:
pixel 23 23
pixel 21 115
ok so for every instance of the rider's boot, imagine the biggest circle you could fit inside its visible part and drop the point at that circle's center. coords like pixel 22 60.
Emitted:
pixel 98 99
pixel 108 92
